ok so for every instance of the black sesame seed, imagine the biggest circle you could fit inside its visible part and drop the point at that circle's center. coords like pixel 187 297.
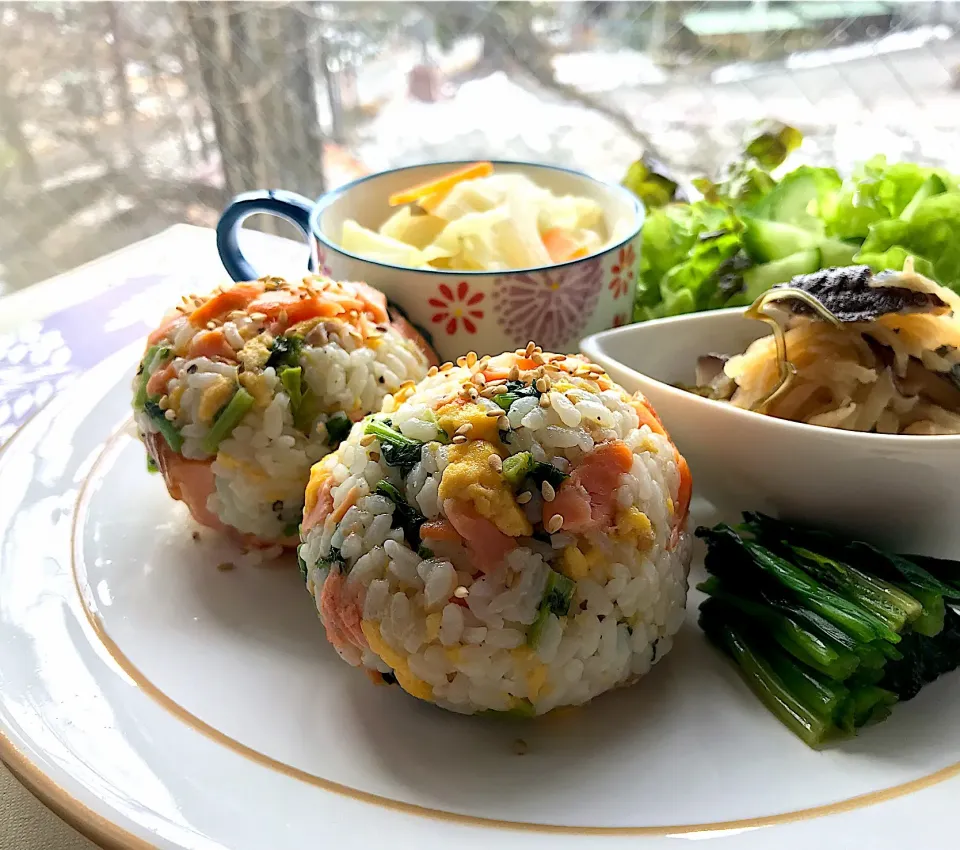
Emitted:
pixel 277 506
pixel 382 380
pixel 191 368
pixel 389 678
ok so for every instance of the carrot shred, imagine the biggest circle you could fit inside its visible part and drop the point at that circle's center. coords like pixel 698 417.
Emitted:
pixel 440 184
pixel 431 202
pixel 561 246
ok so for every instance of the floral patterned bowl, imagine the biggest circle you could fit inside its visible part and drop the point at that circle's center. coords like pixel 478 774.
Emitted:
pixel 486 312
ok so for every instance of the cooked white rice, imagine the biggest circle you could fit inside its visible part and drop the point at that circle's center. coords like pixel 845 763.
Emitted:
pixel 468 628
pixel 348 364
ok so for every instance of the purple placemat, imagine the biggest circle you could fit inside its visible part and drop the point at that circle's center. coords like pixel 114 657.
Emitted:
pixel 40 358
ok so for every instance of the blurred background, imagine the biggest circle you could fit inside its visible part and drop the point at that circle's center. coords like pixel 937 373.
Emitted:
pixel 119 119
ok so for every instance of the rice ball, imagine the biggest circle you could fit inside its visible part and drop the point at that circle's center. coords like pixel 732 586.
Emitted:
pixel 239 392
pixel 508 535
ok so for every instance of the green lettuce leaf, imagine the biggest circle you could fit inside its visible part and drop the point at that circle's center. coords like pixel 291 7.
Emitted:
pixel 875 192
pixel 931 236
pixel 669 235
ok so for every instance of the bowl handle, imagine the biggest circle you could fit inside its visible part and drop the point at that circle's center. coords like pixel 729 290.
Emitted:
pixel 289 205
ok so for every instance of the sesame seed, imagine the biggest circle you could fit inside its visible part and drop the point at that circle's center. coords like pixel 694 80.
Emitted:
pixel 459 439
pixel 169 415
pixel 461 361
pixel 496 464
pixel 466 428
pixel 164 402
pixel 545 401
pixel 549 494
pixel 543 384
pixel 524 497
pixel 461 592
pixel 472 393
pixel 211 325
pixel 537 358
pixel 195 535
pixel 531 347
pixel 494 414
pixel 514 373
pixel 555 523
pixel 367 439
pixel 471 359
pixel 446 367
pixel 503 424
pixel 433 371
pixel 479 379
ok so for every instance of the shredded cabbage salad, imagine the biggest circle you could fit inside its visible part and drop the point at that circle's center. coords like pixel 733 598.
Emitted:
pixel 476 220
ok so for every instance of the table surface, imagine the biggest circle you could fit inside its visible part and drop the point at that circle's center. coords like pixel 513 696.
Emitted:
pixel 45 342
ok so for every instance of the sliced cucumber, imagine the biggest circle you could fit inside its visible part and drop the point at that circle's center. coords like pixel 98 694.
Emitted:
pixel 766 241
pixel 795 198
pixel 759 279
pixel 833 252
pixel 933 185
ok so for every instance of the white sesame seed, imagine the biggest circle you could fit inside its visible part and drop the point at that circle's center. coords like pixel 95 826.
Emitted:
pixel 549 494
pixel 496 464
pixel 524 497
pixel 461 592
pixel 459 439
pixel 555 523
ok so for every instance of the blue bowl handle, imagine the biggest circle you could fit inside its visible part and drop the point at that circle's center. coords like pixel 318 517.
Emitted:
pixel 289 205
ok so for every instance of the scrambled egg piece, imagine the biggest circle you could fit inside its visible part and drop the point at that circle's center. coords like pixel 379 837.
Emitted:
pixel 214 398
pixel 255 353
pixel 173 400
pixel 318 474
pixel 256 385
pixel 579 564
pixel 456 414
pixel 573 564
pixel 634 525
pixel 410 683
pixel 536 679
pixel 534 671
pixel 470 477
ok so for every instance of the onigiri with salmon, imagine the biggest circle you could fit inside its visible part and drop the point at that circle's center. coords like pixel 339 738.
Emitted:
pixel 507 535
pixel 241 391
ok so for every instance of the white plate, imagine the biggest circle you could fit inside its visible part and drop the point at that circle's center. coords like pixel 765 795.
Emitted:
pixel 154 700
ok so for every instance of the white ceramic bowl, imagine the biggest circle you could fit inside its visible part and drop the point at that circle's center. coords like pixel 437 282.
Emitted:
pixel 897 491
pixel 487 312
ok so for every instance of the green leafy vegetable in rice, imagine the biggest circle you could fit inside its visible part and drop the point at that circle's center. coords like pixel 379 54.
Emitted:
pixel 407 517
pixel 228 419
pixel 286 351
pixel 514 391
pixel 517 468
pixel 166 428
pixel 338 426
pixel 398 451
